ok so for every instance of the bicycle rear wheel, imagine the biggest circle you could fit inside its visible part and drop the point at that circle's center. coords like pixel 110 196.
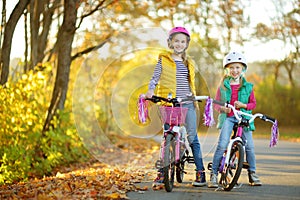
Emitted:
pixel 169 162
pixel 232 172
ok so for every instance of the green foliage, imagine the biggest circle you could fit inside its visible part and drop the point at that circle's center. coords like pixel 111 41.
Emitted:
pixel 24 151
pixel 278 101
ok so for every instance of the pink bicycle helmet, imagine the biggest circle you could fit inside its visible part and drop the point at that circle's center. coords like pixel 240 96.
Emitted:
pixel 178 29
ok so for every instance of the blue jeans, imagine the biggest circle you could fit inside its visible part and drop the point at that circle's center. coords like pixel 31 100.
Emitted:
pixel 192 136
pixel 224 138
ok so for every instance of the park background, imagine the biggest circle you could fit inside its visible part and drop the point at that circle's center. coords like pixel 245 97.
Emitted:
pixel 72 71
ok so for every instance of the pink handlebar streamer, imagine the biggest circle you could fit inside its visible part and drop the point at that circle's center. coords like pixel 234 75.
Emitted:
pixel 208 113
pixel 274 134
pixel 142 109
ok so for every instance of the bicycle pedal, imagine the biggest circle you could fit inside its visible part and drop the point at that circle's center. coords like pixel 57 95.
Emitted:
pixel 246 165
pixel 158 187
pixel 190 159
pixel 209 166
pixel 158 164
pixel 233 166
pixel 238 185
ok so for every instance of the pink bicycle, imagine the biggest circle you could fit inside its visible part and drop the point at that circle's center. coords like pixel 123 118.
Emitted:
pixel 174 149
pixel 174 152
pixel 232 162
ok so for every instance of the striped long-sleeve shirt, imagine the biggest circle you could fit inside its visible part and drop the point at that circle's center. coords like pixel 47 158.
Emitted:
pixel 182 82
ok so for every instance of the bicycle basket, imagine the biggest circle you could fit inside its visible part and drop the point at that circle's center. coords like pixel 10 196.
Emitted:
pixel 173 115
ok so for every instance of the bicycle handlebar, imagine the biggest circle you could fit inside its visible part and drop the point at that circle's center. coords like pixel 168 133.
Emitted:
pixel 209 121
pixel 156 99
pixel 175 101
pixel 237 113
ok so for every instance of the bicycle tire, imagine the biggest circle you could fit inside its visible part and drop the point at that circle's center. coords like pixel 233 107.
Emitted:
pixel 180 172
pixel 180 164
pixel 232 172
pixel 169 162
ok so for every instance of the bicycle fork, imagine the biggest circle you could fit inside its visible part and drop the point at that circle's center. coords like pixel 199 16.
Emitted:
pixel 175 131
pixel 225 159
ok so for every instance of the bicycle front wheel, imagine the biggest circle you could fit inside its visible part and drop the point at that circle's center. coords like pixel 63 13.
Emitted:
pixel 180 172
pixel 180 163
pixel 169 162
pixel 232 171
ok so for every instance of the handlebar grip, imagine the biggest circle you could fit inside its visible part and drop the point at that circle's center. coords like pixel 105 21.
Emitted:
pixel 219 102
pixel 188 98
pixel 200 98
pixel 269 118
pixel 154 99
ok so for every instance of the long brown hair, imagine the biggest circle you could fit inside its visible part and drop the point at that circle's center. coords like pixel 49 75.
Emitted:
pixel 184 59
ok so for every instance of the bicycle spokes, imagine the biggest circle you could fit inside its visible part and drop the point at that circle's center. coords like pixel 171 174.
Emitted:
pixel 232 170
pixel 169 162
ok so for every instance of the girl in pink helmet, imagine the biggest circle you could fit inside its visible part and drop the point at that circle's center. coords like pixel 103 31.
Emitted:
pixel 175 74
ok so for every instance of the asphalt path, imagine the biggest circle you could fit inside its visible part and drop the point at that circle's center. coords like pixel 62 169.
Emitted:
pixel 277 167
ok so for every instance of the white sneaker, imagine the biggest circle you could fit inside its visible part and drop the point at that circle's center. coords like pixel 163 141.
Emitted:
pixel 254 179
pixel 213 183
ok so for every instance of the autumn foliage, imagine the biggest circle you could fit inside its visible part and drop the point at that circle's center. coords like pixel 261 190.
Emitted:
pixel 94 182
pixel 37 165
pixel 25 151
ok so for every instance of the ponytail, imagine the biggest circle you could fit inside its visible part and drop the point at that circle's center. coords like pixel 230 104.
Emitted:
pixel 184 59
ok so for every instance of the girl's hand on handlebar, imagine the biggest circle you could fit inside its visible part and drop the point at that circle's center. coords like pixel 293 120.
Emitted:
pixel 225 109
pixel 150 93
pixel 238 104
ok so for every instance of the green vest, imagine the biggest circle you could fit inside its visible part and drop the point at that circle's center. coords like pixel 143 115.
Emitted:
pixel 243 96
pixel 167 81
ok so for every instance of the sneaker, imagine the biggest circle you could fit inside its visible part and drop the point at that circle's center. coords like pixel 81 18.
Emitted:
pixel 213 183
pixel 254 179
pixel 159 180
pixel 200 179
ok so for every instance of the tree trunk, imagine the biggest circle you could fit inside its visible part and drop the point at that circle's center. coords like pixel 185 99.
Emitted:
pixel 3 22
pixel 7 40
pixel 64 43
pixel 26 41
pixel 289 66
pixel 35 10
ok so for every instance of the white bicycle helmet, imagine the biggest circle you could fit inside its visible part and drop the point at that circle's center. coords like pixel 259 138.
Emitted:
pixel 234 57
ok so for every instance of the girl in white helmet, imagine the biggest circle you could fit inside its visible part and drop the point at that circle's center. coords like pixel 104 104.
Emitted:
pixel 234 89
pixel 175 74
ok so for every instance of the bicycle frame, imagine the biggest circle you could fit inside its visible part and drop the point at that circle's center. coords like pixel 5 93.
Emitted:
pixel 174 151
pixel 171 128
pixel 238 138
pixel 178 142
pixel 229 176
pixel 233 162
pixel 238 115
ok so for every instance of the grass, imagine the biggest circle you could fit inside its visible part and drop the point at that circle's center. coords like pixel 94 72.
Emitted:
pixel 285 133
